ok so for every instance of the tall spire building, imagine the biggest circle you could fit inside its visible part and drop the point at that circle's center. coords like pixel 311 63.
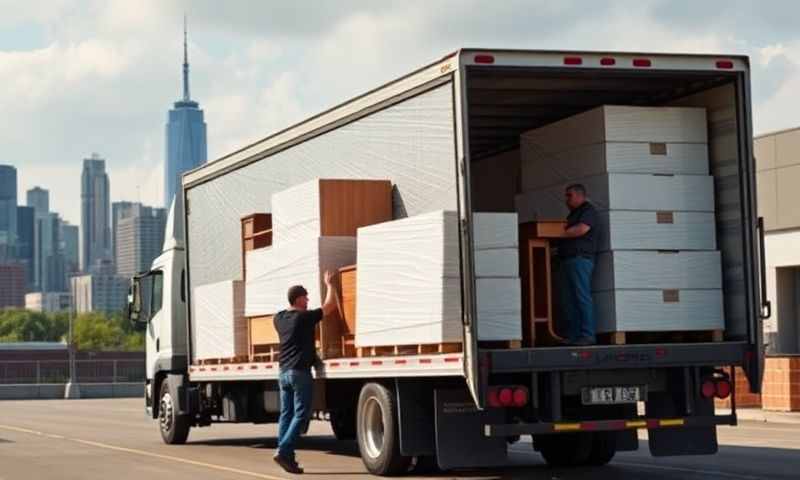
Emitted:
pixel 95 241
pixel 186 135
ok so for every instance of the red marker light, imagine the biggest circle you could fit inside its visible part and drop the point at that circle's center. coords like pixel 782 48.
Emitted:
pixel 484 59
pixel 724 64
pixel 607 61
pixel 573 61
pixel 723 389
pixel 642 62
pixel 506 397
pixel 520 397
pixel 708 389
pixel 492 398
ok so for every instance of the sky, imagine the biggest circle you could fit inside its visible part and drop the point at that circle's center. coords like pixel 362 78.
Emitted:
pixel 82 76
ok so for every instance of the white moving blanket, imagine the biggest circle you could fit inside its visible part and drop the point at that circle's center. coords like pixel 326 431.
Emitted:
pixel 219 329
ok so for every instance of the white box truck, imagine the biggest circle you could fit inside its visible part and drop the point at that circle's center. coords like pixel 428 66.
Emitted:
pixel 431 132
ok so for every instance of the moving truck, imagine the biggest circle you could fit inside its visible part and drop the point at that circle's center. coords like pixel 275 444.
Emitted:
pixel 427 132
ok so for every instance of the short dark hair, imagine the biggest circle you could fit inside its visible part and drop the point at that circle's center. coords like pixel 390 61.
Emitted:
pixel 295 292
pixel 576 187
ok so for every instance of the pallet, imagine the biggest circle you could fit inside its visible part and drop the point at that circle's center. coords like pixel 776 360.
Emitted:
pixel 399 350
pixel 500 344
pixel 636 338
pixel 265 353
pixel 223 361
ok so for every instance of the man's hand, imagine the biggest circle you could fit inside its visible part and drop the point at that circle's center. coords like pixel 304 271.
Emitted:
pixel 328 277
pixel 330 305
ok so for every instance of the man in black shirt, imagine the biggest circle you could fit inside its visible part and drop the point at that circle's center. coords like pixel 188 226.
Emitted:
pixel 295 327
pixel 577 251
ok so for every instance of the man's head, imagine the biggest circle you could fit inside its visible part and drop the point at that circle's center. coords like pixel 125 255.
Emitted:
pixel 575 195
pixel 298 298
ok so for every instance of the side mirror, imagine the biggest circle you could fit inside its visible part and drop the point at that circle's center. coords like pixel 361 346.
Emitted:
pixel 135 303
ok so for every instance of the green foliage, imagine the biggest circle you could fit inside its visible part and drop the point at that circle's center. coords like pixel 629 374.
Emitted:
pixel 92 331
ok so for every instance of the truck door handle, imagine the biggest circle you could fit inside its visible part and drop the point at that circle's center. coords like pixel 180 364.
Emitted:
pixel 158 343
pixel 766 305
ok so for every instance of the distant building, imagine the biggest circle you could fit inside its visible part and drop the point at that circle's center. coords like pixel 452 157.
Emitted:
pixel 47 302
pixel 39 199
pixel 70 243
pixel 25 242
pixel 8 212
pixel 99 292
pixel 95 213
pixel 12 285
pixel 138 238
pixel 186 136
pixel 777 158
pixel 48 259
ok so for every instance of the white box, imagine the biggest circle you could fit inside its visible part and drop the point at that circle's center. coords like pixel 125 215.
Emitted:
pixel 623 191
pixel 657 270
pixel 613 123
pixel 295 213
pixel 559 168
pixel 219 329
pixel 272 270
pixel 632 230
pixel 409 285
pixel 647 311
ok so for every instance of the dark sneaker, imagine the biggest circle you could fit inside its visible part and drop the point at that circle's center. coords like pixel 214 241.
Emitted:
pixel 584 342
pixel 289 466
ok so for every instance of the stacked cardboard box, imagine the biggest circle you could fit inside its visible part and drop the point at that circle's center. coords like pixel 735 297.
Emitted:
pixel 646 171
pixel 219 326
pixel 409 283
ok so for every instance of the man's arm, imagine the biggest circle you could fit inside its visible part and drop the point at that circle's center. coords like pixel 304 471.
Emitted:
pixel 330 305
pixel 578 230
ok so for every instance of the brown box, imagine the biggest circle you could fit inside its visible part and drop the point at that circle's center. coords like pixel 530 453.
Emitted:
pixel 256 233
pixel 347 276
pixel 262 331
pixel 542 229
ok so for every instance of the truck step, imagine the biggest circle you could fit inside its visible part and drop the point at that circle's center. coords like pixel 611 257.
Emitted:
pixel 682 336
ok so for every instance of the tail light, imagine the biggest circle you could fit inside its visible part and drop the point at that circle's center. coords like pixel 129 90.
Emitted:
pixel 708 389
pixel 722 389
pixel 507 396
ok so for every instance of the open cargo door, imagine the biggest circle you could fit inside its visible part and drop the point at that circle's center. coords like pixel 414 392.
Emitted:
pixel 469 306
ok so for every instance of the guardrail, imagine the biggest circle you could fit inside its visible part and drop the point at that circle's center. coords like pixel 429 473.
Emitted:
pixel 57 371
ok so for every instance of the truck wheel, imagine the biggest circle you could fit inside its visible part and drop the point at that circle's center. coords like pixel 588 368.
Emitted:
pixel 343 424
pixel 174 428
pixel 565 450
pixel 378 433
pixel 604 447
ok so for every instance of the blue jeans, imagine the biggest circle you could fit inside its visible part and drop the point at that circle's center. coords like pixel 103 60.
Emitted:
pixel 296 389
pixel 576 297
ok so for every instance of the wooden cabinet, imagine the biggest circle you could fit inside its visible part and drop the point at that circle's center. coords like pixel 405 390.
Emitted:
pixel 256 233
pixel 347 277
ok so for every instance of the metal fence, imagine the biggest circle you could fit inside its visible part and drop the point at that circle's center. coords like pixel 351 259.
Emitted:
pixel 57 371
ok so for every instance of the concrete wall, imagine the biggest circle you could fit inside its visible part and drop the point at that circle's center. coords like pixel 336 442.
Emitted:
pixel 56 391
pixel 777 176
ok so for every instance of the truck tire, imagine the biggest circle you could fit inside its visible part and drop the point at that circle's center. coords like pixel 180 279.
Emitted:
pixel 565 450
pixel 604 447
pixel 174 428
pixel 343 424
pixel 378 433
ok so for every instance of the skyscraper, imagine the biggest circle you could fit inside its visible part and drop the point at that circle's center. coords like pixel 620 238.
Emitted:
pixel 139 236
pixel 49 275
pixel 39 199
pixel 70 241
pixel 25 239
pixel 186 136
pixel 95 213
pixel 119 210
pixel 8 212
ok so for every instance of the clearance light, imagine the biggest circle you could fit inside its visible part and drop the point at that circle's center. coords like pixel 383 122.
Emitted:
pixel 607 61
pixel 573 61
pixel 642 62
pixel 484 59
pixel 724 64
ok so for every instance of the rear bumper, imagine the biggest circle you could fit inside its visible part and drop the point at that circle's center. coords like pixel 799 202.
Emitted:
pixel 617 357
pixel 515 429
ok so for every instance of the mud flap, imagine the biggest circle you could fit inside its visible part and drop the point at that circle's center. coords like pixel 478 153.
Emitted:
pixel 415 417
pixel 460 439
pixel 685 440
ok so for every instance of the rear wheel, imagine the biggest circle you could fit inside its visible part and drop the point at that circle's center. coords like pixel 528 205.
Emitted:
pixel 174 428
pixel 343 424
pixel 565 450
pixel 378 433
pixel 604 447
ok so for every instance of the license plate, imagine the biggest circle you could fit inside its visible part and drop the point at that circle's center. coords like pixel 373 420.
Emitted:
pixel 612 395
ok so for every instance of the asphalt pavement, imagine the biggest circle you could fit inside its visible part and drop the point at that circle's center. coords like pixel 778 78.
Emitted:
pixel 112 439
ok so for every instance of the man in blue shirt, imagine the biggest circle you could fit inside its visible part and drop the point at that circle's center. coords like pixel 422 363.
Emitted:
pixel 295 327
pixel 577 253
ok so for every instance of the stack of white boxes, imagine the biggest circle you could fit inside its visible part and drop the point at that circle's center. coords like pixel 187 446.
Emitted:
pixel 646 171
pixel 219 327
pixel 298 256
pixel 409 284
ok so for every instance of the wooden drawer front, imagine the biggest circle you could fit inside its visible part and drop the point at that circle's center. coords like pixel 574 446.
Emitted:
pixel 262 331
